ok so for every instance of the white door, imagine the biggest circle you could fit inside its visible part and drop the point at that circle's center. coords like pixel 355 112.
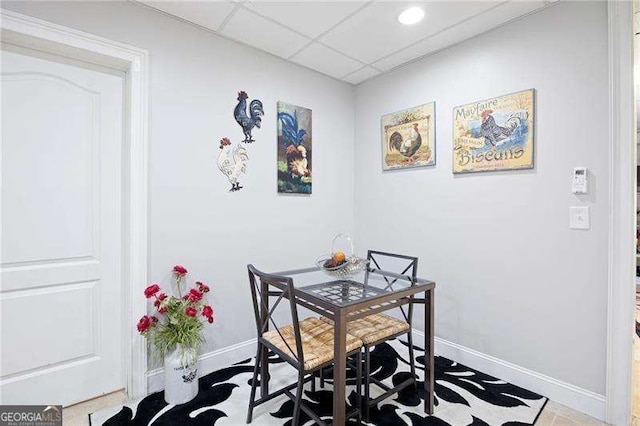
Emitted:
pixel 61 258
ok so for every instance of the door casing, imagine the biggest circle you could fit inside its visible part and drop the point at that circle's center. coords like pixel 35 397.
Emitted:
pixel 622 209
pixel 47 37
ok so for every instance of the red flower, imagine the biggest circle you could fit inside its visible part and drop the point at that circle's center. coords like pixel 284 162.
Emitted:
pixel 202 286
pixel 207 311
pixel 151 290
pixel 195 295
pixel 192 312
pixel 145 323
pixel 180 270
pixel 158 302
pixel 163 310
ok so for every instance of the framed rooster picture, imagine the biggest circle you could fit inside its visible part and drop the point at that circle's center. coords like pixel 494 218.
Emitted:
pixel 294 149
pixel 409 138
pixel 494 134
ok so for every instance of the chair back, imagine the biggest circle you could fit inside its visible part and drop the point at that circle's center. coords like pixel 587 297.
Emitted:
pixel 399 264
pixel 392 262
pixel 263 286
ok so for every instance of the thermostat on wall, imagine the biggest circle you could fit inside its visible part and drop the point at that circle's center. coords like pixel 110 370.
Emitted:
pixel 579 184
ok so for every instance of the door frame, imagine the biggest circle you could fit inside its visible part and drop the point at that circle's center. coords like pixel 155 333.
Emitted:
pixel 622 208
pixel 48 37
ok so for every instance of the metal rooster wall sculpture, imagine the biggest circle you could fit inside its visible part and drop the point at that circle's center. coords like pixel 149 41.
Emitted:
pixel 248 119
pixel 232 162
pixel 232 170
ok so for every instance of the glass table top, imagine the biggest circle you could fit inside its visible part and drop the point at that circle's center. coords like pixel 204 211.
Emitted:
pixel 357 289
pixel 342 292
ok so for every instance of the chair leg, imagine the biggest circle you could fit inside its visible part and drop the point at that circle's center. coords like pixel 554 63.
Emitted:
pixel 254 385
pixel 322 378
pixel 313 381
pixel 367 382
pixel 298 401
pixel 412 360
pixel 359 386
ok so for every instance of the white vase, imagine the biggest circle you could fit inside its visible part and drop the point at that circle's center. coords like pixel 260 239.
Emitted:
pixel 180 375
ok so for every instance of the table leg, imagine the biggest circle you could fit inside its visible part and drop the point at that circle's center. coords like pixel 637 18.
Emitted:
pixel 429 363
pixel 339 369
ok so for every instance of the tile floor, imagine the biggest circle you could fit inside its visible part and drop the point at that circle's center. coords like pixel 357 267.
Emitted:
pixel 78 415
pixel 553 414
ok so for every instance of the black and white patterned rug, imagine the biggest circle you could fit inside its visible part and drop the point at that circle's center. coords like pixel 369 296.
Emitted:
pixel 463 397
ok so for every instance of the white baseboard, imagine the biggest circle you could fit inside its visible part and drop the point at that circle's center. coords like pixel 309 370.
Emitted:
pixel 209 362
pixel 561 392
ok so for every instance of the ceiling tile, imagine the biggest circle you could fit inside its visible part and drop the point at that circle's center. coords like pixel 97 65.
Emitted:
pixel 375 32
pixel 207 14
pixel 361 75
pixel 308 17
pixel 366 32
pixel 486 21
pixel 326 60
pixel 263 34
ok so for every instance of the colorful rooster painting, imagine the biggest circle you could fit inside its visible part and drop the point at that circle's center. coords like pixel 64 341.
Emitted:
pixel 409 138
pixel 494 134
pixel 294 149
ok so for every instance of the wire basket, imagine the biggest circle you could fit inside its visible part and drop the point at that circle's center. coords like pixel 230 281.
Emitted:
pixel 352 264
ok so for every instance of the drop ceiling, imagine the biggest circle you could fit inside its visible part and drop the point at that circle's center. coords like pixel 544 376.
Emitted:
pixel 352 41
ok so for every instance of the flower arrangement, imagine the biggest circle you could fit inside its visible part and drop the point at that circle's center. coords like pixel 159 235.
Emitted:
pixel 180 319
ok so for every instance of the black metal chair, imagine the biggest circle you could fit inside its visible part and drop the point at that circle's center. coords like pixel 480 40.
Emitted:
pixel 377 328
pixel 306 345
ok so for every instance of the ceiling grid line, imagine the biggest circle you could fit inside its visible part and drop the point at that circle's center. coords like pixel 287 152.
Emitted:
pixel 227 18
pixel 367 3
pixel 547 4
pixel 311 40
pixel 147 5
pixel 351 41
pixel 242 6
pixel 444 30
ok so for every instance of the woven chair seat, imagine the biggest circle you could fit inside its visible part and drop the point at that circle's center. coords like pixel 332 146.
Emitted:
pixel 317 342
pixel 373 328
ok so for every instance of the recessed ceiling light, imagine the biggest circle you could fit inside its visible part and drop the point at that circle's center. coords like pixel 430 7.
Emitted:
pixel 411 16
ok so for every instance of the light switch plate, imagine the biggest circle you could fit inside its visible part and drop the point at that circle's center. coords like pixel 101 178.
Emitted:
pixel 579 217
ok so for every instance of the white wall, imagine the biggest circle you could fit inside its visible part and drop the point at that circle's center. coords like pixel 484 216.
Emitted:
pixel 194 220
pixel 513 281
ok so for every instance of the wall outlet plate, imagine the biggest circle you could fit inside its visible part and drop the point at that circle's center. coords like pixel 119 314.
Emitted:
pixel 579 217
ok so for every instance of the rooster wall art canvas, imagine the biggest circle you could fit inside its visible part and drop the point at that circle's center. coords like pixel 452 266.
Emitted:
pixel 408 138
pixel 494 134
pixel 249 118
pixel 232 162
pixel 294 149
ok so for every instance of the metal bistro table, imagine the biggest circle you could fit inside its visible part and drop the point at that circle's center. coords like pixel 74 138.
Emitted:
pixel 344 300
